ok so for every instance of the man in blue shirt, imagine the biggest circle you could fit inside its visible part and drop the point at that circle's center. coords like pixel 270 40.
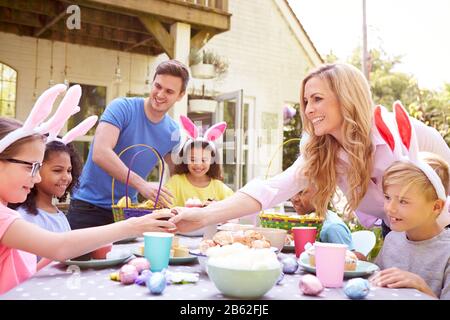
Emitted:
pixel 126 122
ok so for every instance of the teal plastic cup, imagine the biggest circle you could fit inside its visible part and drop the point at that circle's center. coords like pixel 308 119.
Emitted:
pixel 157 249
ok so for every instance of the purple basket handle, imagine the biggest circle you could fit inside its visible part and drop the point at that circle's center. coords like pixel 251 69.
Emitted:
pixel 160 180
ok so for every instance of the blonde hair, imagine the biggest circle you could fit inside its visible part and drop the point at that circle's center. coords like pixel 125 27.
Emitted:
pixel 321 152
pixel 408 175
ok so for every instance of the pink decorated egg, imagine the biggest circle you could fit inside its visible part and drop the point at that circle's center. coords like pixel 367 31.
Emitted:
pixel 128 274
pixel 141 264
pixel 310 285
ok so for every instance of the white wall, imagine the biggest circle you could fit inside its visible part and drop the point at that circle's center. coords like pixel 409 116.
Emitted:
pixel 266 60
pixel 86 65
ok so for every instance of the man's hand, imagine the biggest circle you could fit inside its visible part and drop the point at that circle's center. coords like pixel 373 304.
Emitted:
pixel 149 190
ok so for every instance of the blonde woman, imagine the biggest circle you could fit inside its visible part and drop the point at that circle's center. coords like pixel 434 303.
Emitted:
pixel 340 147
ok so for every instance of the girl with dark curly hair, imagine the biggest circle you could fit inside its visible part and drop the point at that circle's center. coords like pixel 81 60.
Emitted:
pixel 60 171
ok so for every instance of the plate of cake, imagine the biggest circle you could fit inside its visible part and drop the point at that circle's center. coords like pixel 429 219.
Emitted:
pixel 353 267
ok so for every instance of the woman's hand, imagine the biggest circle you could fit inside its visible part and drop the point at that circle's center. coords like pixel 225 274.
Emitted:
pixel 156 221
pixel 397 278
pixel 188 219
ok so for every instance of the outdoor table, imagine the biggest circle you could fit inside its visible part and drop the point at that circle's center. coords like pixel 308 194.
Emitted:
pixel 59 282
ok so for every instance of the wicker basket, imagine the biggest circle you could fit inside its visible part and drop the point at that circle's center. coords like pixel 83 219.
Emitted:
pixel 280 221
pixel 136 210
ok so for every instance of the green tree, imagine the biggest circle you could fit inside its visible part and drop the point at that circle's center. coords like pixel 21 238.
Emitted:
pixel 387 85
pixel 432 107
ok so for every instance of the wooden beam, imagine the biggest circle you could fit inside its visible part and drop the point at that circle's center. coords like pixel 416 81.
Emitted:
pixel 82 39
pixel 42 7
pixel 50 24
pixel 171 9
pixel 161 35
pixel 130 48
pixel 89 15
pixel 201 38
pixel 20 30
pixel 222 5
pixel 100 43
pixel 20 18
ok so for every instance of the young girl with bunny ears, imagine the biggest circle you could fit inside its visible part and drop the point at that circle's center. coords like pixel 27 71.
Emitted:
pixel 416 253
pixel 198 175
pixel 60 171
pixel 21 154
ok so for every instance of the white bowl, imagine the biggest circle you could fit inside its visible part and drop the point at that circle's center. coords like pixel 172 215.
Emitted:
pixel 246 284
pixel 203 258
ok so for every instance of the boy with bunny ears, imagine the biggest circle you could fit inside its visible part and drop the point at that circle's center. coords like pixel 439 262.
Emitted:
pixel 127 122
pixel 199 173
pixel 416 253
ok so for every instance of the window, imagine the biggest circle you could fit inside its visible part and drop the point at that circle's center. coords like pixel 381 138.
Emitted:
pixel 8 88
pixel 92 102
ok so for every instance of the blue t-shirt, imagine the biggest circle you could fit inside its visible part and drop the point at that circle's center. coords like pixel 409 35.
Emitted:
pixel 55 222
pixel 129 116
pixel 334 230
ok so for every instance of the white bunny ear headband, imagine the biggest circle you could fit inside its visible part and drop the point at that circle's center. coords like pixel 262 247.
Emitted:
pixel 193 132
pixel 400 136
pixel 41 110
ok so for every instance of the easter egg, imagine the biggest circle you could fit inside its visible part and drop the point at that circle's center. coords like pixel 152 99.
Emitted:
pixel 143 277
pixel 290 265
pixel 357 288
pixel 156 283
pixel 114 276
pixel 128 274
pixel 122 203
pixel 280 278
pixel 310 285
pixel 141 264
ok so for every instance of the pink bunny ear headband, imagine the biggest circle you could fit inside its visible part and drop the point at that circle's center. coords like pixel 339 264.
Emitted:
pixel 209 137
pixel 399 133
pixel 41 110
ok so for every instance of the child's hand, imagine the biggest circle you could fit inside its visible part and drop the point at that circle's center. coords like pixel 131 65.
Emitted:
pixel 153 222
pixel 397 278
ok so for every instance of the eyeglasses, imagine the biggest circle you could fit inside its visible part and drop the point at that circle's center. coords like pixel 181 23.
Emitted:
pixel 35 166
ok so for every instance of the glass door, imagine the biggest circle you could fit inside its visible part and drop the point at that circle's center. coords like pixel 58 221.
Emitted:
pixel 230 110
pixel 236 150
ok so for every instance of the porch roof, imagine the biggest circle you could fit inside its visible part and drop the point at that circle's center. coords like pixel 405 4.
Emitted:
pixel 126 25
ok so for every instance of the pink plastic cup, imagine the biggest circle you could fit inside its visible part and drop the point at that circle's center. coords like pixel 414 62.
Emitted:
pixel 303 235
pixel 330 261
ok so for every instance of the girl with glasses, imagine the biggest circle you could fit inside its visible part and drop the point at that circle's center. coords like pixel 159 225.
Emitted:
pixel 20 240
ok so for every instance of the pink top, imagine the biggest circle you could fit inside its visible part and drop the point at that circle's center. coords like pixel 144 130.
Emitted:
pixel 15 265
pixel 285 185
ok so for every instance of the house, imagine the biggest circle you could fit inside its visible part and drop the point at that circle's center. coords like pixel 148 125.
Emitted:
pixel 114 46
